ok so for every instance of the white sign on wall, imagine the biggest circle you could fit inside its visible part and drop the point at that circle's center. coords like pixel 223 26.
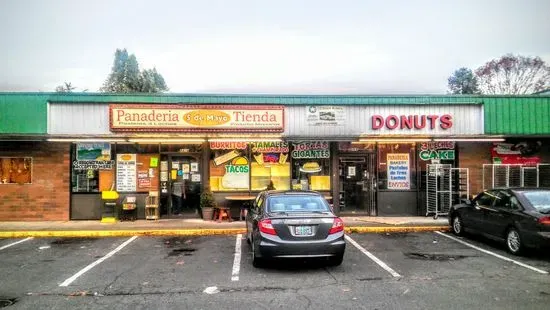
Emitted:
pixel 324 115
pixel 126 171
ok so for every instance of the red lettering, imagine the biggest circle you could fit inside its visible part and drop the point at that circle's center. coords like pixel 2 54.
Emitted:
pixel 406 121
pixel 395 122
pixel 377 121
pixel 422 123
pixel 446 121
pixel 432 119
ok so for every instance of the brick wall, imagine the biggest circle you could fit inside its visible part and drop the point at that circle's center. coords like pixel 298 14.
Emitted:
pixel 47 198
pixel 473 155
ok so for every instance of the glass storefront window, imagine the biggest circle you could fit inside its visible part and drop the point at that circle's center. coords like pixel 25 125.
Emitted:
pixel 311 165
pixel 270 163
pixel 397 166
pixel 229 166
pixel 92 167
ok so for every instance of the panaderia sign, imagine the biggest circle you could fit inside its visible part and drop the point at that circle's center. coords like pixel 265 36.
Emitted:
pixel 196 118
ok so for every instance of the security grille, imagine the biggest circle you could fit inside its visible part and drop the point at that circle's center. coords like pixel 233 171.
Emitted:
pixel 507 175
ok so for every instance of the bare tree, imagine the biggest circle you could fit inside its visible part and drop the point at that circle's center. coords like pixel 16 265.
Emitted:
pixel 66 87
pixel 514 75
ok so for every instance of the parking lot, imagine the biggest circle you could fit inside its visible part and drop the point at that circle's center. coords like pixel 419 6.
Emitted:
pixel 430 270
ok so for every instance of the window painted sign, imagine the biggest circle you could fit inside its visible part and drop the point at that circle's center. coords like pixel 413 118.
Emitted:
pixel 93 164
pixel 310 149
pixel 196 118
pixel 398 171
pixel 325 115
pixel 444 150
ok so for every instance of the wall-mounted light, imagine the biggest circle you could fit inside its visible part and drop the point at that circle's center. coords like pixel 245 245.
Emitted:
pixel 249 139
pixel 471 140
pixel 394 140
pixel 85 140
pixel 168 141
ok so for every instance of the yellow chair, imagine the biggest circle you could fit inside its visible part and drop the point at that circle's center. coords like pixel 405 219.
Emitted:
pixel 152 206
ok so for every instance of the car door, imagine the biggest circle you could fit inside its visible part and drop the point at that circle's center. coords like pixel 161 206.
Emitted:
pixel 474 215
pixel 252 216
pixel 505 211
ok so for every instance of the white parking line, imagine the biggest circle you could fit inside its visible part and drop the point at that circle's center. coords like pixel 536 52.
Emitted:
pixel 374 258
pixel 493 254
pixel 237 260
pixel 97 262
pixel 14 243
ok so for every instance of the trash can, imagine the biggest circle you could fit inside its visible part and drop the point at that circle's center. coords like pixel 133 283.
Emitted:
pixel 109 212
pixel 129 209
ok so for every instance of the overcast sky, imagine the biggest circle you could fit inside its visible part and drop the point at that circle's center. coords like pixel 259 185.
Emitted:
pixel 255 46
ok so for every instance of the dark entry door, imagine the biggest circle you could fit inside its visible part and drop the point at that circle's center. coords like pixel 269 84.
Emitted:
pixel 184 184
pixel 357 184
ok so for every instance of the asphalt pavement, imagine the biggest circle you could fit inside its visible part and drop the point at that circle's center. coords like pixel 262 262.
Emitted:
pixel 428 270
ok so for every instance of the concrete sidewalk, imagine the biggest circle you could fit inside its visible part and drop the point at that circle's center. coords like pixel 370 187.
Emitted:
pixel 189 227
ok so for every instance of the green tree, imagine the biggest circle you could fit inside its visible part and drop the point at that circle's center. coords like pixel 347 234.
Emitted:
pixel 125 76
pixel 513 75
pixel 463 82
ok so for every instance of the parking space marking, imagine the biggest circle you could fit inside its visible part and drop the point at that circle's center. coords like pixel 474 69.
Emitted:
pixel 237 260
pixel 374 258
pixel 14 243
pixel 97 262
pixel 493 254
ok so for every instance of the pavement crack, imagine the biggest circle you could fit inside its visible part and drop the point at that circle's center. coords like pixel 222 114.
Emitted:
pixel 307 299
pixel 331 275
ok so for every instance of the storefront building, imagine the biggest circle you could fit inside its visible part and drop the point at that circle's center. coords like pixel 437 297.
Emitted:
pixel 368 155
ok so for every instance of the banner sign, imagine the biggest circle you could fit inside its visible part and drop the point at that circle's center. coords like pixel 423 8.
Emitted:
pixel 523 153
pixel 196 118
pixel 310 149
pixel 398 171
pixel 96 151
pixel 444 150
pixel 325 115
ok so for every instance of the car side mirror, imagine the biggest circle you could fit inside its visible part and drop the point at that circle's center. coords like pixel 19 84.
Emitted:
pixel 466 201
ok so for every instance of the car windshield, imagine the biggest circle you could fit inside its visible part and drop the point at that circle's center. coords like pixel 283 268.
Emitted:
pixel 297 203
pixel 539 199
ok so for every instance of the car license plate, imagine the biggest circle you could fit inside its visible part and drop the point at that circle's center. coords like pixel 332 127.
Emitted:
pixel 303 231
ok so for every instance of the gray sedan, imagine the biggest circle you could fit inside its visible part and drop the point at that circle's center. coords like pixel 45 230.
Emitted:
pixel 294 224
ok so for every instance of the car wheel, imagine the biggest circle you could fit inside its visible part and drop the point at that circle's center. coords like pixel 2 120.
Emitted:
pixel 513 241
pixel 458 225
pixel 256 261
pixel 336 260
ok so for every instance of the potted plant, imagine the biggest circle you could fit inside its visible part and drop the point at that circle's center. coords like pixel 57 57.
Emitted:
pixel 207 203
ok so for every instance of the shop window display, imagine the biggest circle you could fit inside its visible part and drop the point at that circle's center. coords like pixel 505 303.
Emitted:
pixel 311 165
pixel 229 166
pixel 270 163
pixel 16 170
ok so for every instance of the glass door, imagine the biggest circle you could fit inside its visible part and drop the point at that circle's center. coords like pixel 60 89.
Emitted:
pixel 184 185
pixel 358 184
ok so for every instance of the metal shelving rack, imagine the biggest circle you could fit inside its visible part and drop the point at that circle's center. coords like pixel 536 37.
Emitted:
pixel 462 185
pixel 439 189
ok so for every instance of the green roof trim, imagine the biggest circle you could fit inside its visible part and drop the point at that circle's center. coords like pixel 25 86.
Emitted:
pixel 26 113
